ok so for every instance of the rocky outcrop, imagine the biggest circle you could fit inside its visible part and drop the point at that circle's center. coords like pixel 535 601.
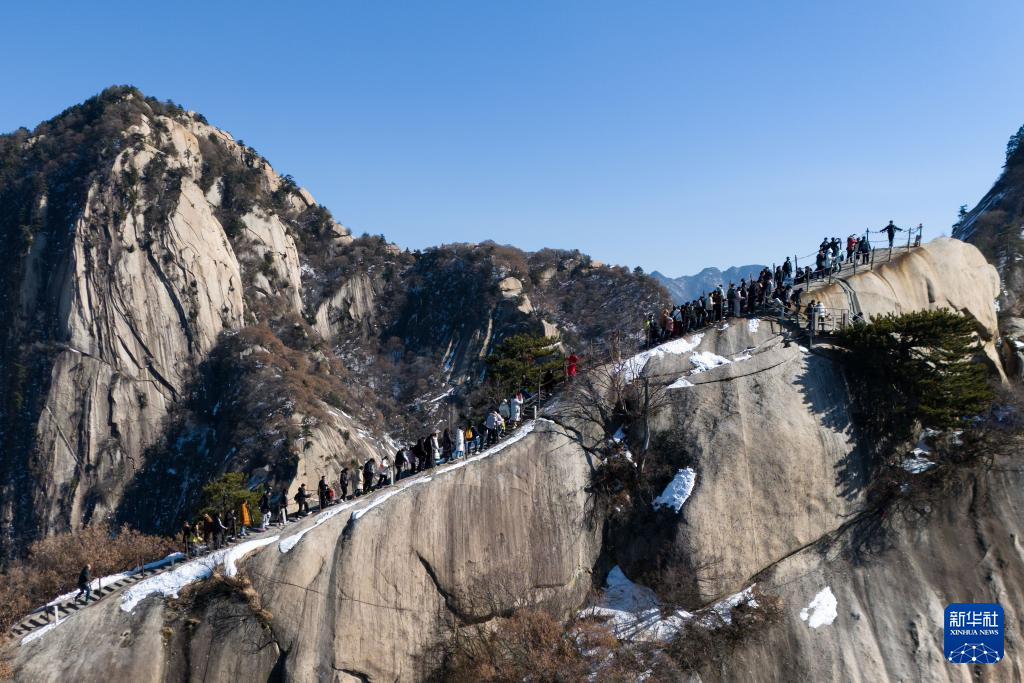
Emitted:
pixel 465 544
pixel 945 273
pixel 770 438
pixel 890 603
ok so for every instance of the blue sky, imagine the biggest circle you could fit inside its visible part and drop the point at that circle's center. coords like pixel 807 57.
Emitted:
pixel 671 135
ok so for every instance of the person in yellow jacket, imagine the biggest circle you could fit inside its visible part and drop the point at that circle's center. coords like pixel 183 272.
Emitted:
pixel 245 518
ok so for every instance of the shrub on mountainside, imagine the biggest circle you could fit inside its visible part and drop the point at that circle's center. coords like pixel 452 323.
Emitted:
pixel 51 566
pixel 226 494
pixel 524 360
pixel 924 368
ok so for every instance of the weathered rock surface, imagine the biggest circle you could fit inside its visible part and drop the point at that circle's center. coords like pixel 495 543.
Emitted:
pixel 470 541
pixel 945 273
pixel 891 602
pixel 770 439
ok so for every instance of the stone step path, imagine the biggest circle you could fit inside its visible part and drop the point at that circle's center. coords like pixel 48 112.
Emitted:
pixel 44 616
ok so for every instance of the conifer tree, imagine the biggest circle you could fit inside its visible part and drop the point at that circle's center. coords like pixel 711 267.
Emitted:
pixel 925 368
pixel 522 360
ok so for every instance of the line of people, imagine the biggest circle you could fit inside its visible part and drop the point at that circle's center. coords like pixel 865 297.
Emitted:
pixel 769 291
pixel 214 529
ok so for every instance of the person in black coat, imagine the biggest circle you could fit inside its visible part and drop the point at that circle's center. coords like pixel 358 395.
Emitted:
pixel 321 491
pixel 84 583
pixel 344 479
pixel 368 470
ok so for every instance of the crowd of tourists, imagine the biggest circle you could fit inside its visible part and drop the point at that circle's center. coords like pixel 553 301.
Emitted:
pixel 213 529
pixel 777 291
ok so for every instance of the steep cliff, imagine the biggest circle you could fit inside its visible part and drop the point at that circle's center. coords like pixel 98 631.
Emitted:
pixel 173 307
pixel 366 591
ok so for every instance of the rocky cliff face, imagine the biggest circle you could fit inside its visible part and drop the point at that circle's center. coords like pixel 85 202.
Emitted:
pixel 364 593
pixel 173 307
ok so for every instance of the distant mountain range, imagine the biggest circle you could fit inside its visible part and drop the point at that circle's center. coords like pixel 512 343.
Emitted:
pixel 689 287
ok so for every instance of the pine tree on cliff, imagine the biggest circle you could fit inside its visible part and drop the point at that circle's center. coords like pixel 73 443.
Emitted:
pixel 922 368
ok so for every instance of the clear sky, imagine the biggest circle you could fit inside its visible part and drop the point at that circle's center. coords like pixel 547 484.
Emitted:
pixel 672 135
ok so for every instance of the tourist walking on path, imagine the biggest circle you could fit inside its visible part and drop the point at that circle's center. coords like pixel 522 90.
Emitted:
pixel 245 518
pixel 265 510
pixel 84 583
pixel 302 500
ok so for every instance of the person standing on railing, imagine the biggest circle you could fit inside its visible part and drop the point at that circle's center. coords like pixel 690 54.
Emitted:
pixel 787 269
pixel 890 231
pixel 730 300
pixel 920 231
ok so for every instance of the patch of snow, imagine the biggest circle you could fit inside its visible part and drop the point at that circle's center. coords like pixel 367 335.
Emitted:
pixel 705 360
pixel 742 356
pixel 722 610
pixel 632 368
pixel 917 464
pixel 678 490
pixel 724 327
pixel 680 383
pixel 804 349
pixel 293 540
pixel 1018 343
pixel 120 576
pixel 922 442
pixel 171 582
pixel 822 610
pixel 753 324
pixel 619 435
pixel 239 551
pixel 633 611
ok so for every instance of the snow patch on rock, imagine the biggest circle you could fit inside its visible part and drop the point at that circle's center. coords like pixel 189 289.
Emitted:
pixel 678 490
pixel 822 610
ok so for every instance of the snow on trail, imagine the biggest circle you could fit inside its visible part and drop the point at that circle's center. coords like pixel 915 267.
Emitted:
pixel 631 368
pixel 114 578
pixel 822 610
pixel 678 490
pixel 290 542
pixel 753 324
pixel 171 582
pixel 519 435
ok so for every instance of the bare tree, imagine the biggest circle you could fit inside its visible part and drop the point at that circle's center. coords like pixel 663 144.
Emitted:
pixel 606 403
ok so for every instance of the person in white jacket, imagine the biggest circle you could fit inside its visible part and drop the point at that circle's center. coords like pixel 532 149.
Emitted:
pixel 435 449
pixel 516 409
pixel 460 443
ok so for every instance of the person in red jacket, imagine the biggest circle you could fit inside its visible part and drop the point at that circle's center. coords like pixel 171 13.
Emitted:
pixel 570 365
